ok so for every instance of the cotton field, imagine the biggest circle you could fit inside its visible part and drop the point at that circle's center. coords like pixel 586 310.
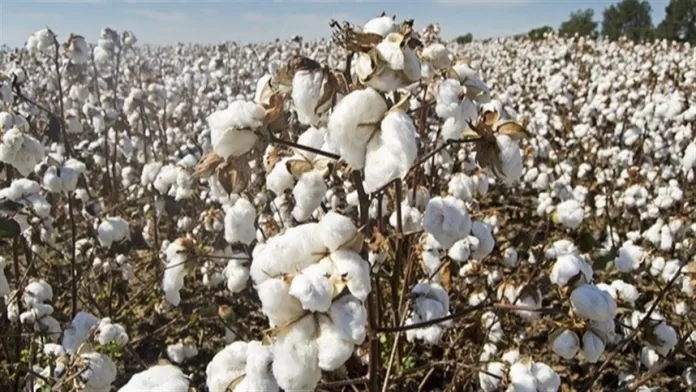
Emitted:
pixel 380 210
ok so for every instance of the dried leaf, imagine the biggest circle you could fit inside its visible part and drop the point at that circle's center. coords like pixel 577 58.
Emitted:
pixel 378 242
pixel 234 175
pixel 207 165
pixel 512 129
pixel 274 109
pixel 403 104
pixel 274 156
pixel 297 167
pixel 326 95
pixel 490 118
pixel 446 275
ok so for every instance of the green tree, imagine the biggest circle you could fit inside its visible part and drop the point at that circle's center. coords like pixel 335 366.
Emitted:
pixel 539 32
pixel 629 18
pixel 680 21
pixel 581 22
pixel 465 39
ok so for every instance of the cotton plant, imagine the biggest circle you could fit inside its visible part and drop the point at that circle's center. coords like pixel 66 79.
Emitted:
pixel 21 151
pixel 112 230
pixel 430 302
pixel 518 373
pixel 316 288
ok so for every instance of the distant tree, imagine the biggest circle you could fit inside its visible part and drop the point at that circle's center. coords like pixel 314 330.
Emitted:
pixel 580 22
pixel 539 32
pixel 629 18
pixel 680 21
pixel 465 39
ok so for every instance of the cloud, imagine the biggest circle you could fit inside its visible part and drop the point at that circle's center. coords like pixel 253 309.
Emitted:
pixel 161 16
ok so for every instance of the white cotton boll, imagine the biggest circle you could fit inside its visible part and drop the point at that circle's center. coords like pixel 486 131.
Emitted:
pixel 510 258
pixel 308 193
pixel 226 366
pixel 335 230
pixel 314 292
pixel 239 222
pixel 649 357
pixel 566 344
pixel 567 267
pixel 78 331
pixel 570 213
pixel 625 291
pixel 447 219
pixel 20 150
pixel 37 292
pixel 175 352
pixel 510 159
pixel 521 377
pixel 112 230
pixel 463 187
pixel 448 98
pixel 482 232
pixel 107 332
pixel 411 219
pixel 231 129
pixel 159 378
pixel 689 159
pixel 382 25
pixel 236 274
pixel 279 179
pixel 665 338
pixel 277 303
pixel 4 285
pixel 177 255
pixel 630 257
pixel 258 376
pixel 345 130
pixel 592 346
pixel 101 371
pixel 355 270
pixel 460 251
pixel 306 93
pixel 590 302
pixel 390 153
pixel 349 315
pixel 295 353
pixel 334 351
pixel 150 173
pixel 489 381
pixel 547 379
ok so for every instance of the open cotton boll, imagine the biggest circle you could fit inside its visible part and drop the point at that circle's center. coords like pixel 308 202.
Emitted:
pixel 447 219
pixel 510 159
pixel 334 351
pixel 463 187
pixel 566 344
pixel 448 99
pixel 276 302
pixel 570 213
pixel 258 376
pixel 567 267
pixel 355 270
pixel 112 230
pixel 280 179
pixel 21 151
pixel 308 192
pixel 454 126
pixel 486 242
pixel 226 366
pixel 521 376
pixel 662 338
pixel 177 255
pixel 108 332
pixel 382 25
pixel 37 292
pixel 78 331
pixel 336 230
pixel 349 316
pixel 391 153
pixel 411 219
pixel 592 346
pixel 4 285
pixel 314 291
pixel 353 121
pixel 239 222
pixel 460 251
pixel 590 302
pixel 231 130
pixel 101 371
pixel 296 357
pixel 489 381
pixel 236 274
pixel 547 379
pixel 306 93
pixel 630 257
pixel 159 378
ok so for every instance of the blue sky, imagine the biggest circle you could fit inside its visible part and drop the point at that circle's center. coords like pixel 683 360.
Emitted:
pixel 164 22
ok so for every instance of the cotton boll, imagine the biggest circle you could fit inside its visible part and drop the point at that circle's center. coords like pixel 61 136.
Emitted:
pixel 175 352
pixel 447 219
pixel 570 214
pixel 335 230
pixel 226 366
pixel 592 346
pixel 355 270
pixel 159 378
pixel 258 370
pixel 231 129
pixel 482 232
pixel 547 379
pixel 101 371
pixel 112 230
pixel 382 26
pixel 462 187
pixel 78 331
pixel 308 193
pixel 510 159
pixel 306 94
pixel 390 154
pixel 279 179
pixel 489 381
pixel 567 267
pixel 349 315
pixel 521 377
pixel 566 344
pixel 590 302
pixel 630 257
pixel 411 219
pixel 295 353
pixel 108 332
pixel 345 129
pixel 236 274
pixel 448 99
pixel 460 251
pixel 334 351
pixel 663 338
pixel 314 291
pixel 239 222
pixel 177 255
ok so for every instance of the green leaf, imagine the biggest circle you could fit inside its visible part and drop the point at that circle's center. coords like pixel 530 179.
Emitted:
pixel 9 228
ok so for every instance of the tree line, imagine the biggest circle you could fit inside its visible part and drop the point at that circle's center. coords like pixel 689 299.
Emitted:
pixel 628 18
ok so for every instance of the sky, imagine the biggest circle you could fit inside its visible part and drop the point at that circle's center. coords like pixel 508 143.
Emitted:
pixel 168 22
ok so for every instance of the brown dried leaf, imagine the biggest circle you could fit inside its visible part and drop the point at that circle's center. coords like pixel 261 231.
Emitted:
pixel 403 104
pixel 488 156
pixel 446 275
pixel 234 176
pixel 274 109
pixel 207 165
pixel 490 118
pixel 297 167
pixel 512 129
pixel 378 242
